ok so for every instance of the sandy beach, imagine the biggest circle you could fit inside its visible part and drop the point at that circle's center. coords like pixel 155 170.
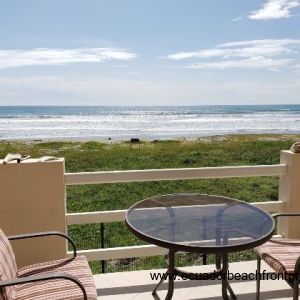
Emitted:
pixel 208 139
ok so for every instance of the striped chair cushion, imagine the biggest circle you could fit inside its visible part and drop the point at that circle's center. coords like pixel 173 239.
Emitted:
pixel 8 267
pixel 280 254
pixel 57 289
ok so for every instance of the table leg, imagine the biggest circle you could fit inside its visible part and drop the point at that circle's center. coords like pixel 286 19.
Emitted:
pixel 171 273
pixel 231 292
pixel 163 278
pixel 160 282
pixel 225 284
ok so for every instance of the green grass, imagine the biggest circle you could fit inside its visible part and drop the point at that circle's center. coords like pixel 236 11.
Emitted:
pixel 95 156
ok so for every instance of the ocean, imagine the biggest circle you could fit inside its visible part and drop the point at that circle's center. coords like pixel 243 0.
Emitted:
pixel 144 122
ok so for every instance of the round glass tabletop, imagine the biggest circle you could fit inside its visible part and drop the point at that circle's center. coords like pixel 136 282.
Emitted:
pixel 201 223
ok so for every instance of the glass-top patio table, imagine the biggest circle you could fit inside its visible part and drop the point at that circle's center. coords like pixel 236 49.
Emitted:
pixel 199 223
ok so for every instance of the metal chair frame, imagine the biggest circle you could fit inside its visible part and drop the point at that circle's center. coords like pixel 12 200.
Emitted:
pixel 44 277
pixel 294 284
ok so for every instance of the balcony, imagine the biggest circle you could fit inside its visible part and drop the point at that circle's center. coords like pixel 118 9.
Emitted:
pixel 138 284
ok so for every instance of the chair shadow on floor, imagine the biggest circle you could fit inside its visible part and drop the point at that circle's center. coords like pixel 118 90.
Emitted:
pixel 266 295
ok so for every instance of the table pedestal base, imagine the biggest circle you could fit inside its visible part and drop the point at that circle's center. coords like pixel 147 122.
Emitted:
pixel 172 272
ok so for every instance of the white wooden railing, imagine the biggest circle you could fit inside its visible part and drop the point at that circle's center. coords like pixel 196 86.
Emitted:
pixel 157 175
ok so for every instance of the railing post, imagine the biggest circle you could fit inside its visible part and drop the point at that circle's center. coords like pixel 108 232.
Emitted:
pixel 102 245
pixel 289 193
pixel 33 199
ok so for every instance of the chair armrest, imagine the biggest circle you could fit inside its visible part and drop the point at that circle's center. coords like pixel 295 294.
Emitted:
pixel 43 234
pixel 296 214
pixel 44 277
pixel 278 215
pixel 297 266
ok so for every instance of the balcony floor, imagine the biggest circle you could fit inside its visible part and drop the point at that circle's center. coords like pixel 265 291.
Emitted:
pixel 138 285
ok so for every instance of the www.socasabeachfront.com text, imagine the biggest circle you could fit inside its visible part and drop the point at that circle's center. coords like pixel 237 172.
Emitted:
pixel 264 275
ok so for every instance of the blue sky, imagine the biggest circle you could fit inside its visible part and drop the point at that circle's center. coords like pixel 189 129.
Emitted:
pixel 140 52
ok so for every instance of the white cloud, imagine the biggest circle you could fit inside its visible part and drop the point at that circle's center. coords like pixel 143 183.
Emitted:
pixel 266 50
pixel 258 62
pixel 275 9
pixel 267 47
pixel 237 19
pixel 273 42
pixel 254 54
pixel 46 56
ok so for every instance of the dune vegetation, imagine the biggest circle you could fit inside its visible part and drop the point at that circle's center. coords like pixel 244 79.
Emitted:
pixel 205 152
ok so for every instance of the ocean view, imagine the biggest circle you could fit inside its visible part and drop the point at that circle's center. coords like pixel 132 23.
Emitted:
pixel 150 150
pixel 144 122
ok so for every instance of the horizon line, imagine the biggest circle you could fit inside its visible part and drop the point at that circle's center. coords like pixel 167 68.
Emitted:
pixel 147 105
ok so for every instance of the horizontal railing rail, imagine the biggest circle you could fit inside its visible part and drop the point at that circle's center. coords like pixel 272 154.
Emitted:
pixel 156 175
pixel 174 174
pixel 119 215
pixel 125 252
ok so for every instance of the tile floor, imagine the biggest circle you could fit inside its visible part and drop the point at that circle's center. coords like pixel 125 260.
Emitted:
pixel 138 285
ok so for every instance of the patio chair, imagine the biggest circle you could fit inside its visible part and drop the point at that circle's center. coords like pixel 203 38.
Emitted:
pixel 68 279
pixel 283 256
